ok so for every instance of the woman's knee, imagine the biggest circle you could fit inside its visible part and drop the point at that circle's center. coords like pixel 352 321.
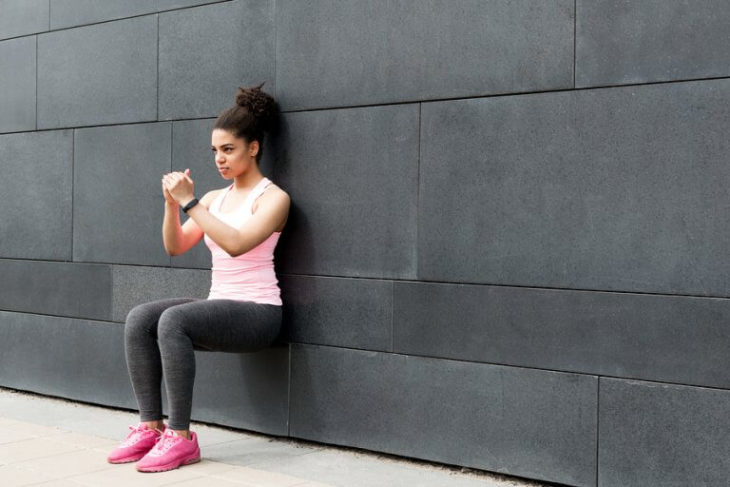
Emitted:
pixel 171 324
pixel 140 320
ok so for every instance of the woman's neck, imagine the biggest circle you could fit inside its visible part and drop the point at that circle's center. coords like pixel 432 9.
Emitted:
pixel 249 179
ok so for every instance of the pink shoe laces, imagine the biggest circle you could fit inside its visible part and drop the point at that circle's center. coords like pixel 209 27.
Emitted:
pixel 135 436
pixel 166 441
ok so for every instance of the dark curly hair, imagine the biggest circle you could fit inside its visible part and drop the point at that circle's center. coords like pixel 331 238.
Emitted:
pixel 254 114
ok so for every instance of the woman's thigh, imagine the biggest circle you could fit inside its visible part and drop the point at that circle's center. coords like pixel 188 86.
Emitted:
pixel 224 325
pixel 144 317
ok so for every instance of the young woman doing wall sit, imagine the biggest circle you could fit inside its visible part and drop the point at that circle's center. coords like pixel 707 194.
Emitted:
pixel 241 225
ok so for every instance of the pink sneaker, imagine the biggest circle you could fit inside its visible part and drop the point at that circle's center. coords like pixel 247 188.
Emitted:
pixel 136 445
pixel 172 451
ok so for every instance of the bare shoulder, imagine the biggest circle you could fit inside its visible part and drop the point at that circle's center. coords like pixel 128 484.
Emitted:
pixel 274 194
pixel 274 199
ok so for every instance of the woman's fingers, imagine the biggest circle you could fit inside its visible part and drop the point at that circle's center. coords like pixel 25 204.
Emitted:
pixel 175 177
pixel 171 178
pixel 178 185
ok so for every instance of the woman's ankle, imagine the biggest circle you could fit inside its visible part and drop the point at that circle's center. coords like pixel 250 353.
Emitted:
pixel 184 433
pixel 155 425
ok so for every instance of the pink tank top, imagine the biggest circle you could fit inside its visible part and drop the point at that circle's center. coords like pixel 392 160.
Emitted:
pixel 250 276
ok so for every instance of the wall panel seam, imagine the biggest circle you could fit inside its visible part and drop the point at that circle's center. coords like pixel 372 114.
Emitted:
pixel 351 107
pixel 99 125
pixel 63 317
pixel 288 393
pixel 36 78
pixel 276 47
pixel 396 280
pixel 93 263
pixel 157 65
pixel 575 39
pixel 172 145
pixel 101 22
pixel 514 286
pixel 505 94
pixel 392 316
pixel 418 190
pixel 73 188
pixel 598 425
pixel 513 366
pixel 116 19
pixel 131 264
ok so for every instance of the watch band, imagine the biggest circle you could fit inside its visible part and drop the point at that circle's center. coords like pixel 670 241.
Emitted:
pixel 190 204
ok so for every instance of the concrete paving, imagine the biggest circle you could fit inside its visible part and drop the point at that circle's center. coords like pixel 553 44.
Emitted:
pixel 53 442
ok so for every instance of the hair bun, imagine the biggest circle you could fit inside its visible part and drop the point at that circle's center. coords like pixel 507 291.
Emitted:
pixel 254 114
pixel 258 103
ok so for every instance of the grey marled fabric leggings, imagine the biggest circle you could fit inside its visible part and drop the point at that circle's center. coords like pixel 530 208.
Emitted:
pixel 159 339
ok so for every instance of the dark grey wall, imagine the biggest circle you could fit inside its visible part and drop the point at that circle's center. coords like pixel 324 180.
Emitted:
pixel 507 245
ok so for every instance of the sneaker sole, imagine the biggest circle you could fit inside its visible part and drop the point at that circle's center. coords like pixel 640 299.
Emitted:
pixel 169 466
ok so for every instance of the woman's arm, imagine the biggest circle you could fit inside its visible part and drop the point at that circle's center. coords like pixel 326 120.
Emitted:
pixel 271 213
pixel 178 238
pixel 272 209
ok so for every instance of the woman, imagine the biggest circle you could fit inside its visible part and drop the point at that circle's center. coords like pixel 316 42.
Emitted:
pixel 241 225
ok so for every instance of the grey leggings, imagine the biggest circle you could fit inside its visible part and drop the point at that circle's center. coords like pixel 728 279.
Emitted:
pixel 159 338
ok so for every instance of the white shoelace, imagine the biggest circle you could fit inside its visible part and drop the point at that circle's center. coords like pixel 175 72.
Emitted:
pixel 134 437
pixel 163 445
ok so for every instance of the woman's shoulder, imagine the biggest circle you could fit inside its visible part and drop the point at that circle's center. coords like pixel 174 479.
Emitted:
pixel 274 198
pixel 273 189
pixel 274 195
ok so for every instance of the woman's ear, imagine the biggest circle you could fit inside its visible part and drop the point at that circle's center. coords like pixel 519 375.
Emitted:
pixel 253 148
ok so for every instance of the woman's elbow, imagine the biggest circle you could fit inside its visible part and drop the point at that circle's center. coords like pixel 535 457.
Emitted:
pixel 172 251
pixel 235 252
pixel 235 249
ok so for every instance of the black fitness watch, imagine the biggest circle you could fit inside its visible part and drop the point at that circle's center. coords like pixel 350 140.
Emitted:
pixel 191 204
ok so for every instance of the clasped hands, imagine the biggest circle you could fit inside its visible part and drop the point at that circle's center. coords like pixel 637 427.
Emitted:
pixel 177 187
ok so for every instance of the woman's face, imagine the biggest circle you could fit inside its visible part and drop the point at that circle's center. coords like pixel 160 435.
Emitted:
pixel 233 156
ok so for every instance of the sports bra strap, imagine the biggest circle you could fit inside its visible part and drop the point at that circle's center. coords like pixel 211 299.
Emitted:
pixel 257 191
